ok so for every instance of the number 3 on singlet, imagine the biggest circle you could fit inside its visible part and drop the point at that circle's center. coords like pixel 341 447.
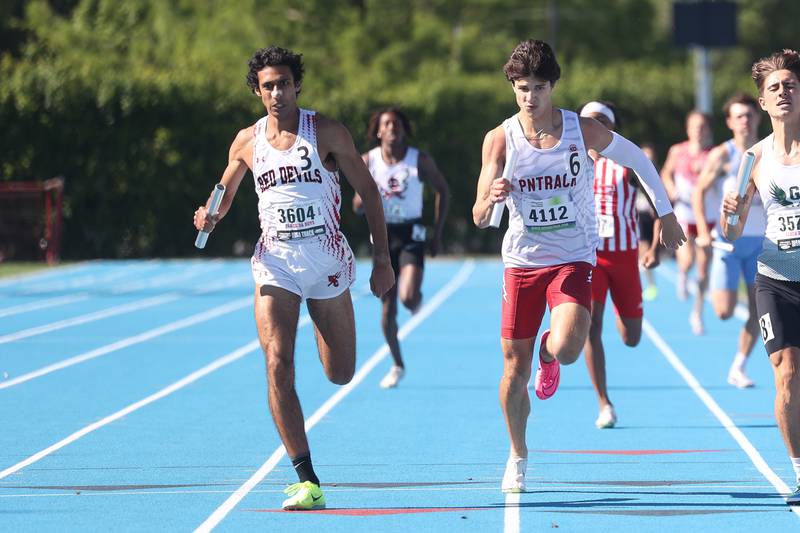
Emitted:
pixel 548 214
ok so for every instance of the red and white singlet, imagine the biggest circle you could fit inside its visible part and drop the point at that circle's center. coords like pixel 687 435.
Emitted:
pixel 301 248
pixel 615 201
pixel 399 185
pixel 686 175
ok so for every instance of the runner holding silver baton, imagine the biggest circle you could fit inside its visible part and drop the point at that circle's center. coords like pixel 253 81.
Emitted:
pixel 213 209
pixel 508 172
pixel 746 168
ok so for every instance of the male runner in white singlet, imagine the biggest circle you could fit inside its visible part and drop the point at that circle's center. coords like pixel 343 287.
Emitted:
pixel 294 155
pixel 680 173
pixel 549 248
pixel 742 117
pixel 776 179
pixel 401 171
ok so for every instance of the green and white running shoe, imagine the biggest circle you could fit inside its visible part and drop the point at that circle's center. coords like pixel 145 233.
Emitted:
pixel 794 498
pixel 305 496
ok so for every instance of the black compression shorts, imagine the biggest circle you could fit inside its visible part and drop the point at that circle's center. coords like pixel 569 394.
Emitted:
pixel 778 307
pixel 406 244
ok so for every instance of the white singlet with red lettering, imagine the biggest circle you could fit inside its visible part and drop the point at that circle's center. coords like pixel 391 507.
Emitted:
pixel 298 198
pixel 399 185
pixel 551 208
pixel 615 201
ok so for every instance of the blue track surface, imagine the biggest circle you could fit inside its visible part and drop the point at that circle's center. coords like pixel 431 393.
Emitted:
pixel 108 425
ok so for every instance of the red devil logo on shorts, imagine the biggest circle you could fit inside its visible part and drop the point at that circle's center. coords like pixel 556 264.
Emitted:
pixel 333 281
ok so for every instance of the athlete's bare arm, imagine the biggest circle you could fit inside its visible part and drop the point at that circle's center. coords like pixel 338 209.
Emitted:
pixel 334 141
pixel 240 157
pixel 734 204
pixel 668 174
pixel 430 173
pixel 492 188
pixel 712 169
pixel 358 203
pixel 598 138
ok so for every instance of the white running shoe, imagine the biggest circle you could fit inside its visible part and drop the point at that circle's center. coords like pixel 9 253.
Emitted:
pixel 394 376
pixel 607 418
pixel 514 477
pixel 696 322
pixel 739 379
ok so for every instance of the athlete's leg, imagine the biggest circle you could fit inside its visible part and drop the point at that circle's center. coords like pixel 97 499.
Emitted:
pixel 569 327
pixel 724 302
pixel 389 324
pixel 726 271
pixel 595 354
pixel 335 329
pixel 747 337
pixel 626 294
pixel 703 261
pixel 786 368
pixel 750 331
pixel 410 283
pixel 276 312
pixel 517 360
pixel 594 351
pixel 684 255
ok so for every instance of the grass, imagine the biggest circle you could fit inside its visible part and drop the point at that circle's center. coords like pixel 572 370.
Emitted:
pixel 20 267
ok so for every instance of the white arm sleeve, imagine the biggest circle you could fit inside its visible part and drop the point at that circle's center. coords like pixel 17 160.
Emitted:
pixel 629 155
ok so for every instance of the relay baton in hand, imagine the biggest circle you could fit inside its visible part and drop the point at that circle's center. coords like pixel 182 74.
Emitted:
pixel 745 168
pixel 722 246
pixel 508 171
pixel 213 209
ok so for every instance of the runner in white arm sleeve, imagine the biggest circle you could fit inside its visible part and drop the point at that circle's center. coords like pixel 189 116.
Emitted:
pixel 549 248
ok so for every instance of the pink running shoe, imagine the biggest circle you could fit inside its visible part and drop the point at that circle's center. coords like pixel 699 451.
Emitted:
pixel 548 375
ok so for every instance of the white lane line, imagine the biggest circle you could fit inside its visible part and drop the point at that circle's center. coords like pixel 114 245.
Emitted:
pixel 142 337
pixel 130 341
pixel 511 522
pixel 169 278
pixel 194 376
pixel 740 311
pixel 166 391
pixel 89 317
pixel 88 280
pixel 42 304
pixel 718 412
pixel 438 299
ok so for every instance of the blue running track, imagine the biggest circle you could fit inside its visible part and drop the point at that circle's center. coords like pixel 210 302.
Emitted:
pixel 133 398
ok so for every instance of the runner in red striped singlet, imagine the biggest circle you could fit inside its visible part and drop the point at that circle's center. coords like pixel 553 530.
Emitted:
pixel 617 268
pixel 681 172
pixel 295 156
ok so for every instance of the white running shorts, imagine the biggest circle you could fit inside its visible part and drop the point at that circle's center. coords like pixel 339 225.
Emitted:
pixel 311 268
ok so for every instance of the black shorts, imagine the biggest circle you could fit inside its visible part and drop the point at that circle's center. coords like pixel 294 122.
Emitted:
pixel 406 244
pixel 646 222
pixel 778 307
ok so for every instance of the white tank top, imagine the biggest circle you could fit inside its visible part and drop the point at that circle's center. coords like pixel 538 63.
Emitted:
pixel 756 222
pixel 779 188
pixel 551 209
pixel 298 198
pixel 399 185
